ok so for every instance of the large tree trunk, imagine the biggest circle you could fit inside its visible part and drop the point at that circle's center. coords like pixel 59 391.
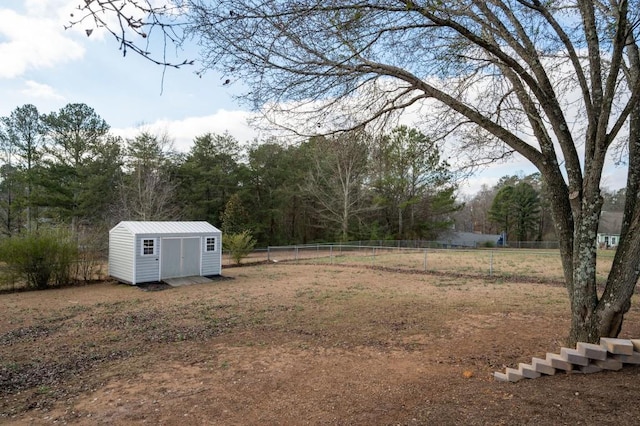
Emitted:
pixel 593 317
pixel 623 277
pixel 583 291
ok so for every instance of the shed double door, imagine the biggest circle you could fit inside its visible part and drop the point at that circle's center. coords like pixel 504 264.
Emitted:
pixel 180 257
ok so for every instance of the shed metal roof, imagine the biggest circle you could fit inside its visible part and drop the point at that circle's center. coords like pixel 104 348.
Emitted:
pixel 170 227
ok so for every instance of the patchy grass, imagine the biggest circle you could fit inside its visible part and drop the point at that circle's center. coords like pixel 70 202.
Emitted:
pixel 291 344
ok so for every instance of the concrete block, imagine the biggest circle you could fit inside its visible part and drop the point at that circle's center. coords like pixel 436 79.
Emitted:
pixel 591 368
pixel 634 358
pixel 513 375
pixel 527 370
pixel 501 377
pixel 608 364
pixel 542 366
pixel 558 362
pixel 592 351
pixel 617 346
pixel 574 357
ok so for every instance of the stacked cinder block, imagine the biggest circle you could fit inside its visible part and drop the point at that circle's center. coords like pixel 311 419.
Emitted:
pixel 610 354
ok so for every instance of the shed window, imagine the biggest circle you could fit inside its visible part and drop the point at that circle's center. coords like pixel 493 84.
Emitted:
pixel 148 246
pixel 210 244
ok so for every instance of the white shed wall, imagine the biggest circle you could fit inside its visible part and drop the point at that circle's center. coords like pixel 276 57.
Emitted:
pixel 147 266
pixel 212 261
pixel 121 259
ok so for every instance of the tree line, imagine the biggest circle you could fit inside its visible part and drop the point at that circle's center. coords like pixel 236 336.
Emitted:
pixel 66 169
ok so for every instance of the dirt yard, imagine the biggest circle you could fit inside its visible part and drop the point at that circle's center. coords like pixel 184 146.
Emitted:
pixel 295 344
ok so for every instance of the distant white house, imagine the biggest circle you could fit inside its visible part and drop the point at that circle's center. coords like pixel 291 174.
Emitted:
pixel 142 252
pixel 609 229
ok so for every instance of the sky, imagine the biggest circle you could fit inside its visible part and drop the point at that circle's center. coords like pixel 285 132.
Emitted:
pixel 47 66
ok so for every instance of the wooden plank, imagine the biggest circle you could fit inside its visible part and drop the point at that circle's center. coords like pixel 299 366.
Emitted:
pixel 527 370
pixel 513 375
pixel 636 344
pixel 617 346
pixel 542 366
pixel 634 358
pixel 501 377
pixel 592 351
pixel 574 357
pixel 609 364
pixel 591 368
pixel 559 362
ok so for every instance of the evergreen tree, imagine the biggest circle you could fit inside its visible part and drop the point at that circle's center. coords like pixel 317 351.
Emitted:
pixel 209 175
pixel 76 168
pixel 413 184
pixel 515 210
pixel 23 135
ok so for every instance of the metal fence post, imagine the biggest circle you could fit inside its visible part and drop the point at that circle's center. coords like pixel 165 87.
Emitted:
pixel 296 254
pixel 373 257
pixel 268 253
pixel 491 264
pixel 425 260
pixel 331 254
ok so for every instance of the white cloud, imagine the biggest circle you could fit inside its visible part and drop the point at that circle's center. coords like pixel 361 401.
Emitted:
pixel 182 132
pixel 34 89
pixel 33 41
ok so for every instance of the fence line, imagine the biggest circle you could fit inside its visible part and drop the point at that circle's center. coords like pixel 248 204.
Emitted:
pixel 443 243
pixel 538 264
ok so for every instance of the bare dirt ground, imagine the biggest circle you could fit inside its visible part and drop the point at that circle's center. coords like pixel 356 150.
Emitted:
pixel 299 344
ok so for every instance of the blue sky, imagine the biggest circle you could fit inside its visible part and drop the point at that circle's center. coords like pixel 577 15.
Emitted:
pixel 44 65
pixel 49 67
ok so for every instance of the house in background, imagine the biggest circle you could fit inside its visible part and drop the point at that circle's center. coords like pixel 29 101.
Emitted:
pixel 467 239
pixel 142 252
pixel 609 229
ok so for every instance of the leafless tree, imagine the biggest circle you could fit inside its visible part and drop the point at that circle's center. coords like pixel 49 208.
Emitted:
pixel 147 191
pixel 555 81
pixel 337 180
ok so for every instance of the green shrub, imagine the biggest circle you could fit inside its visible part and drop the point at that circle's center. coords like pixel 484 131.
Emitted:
pixel 39 258
pixel 238 245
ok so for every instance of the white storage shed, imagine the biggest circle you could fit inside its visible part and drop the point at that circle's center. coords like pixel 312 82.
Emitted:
pixel 142 252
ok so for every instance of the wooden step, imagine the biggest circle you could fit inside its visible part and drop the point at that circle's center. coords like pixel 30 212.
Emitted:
pixel 527 371
pixel 559 363
pixel 574 357
pixel 609 364
pixel 592 351
pixel 634 358
pixel 501 377
pixel 590 368
pixel 610 354
pixel 513 375
pixel 617 346
pixel 543 366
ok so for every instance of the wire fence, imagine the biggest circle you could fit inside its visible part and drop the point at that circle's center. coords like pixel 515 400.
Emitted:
pixel 450 243
pixel 535 264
